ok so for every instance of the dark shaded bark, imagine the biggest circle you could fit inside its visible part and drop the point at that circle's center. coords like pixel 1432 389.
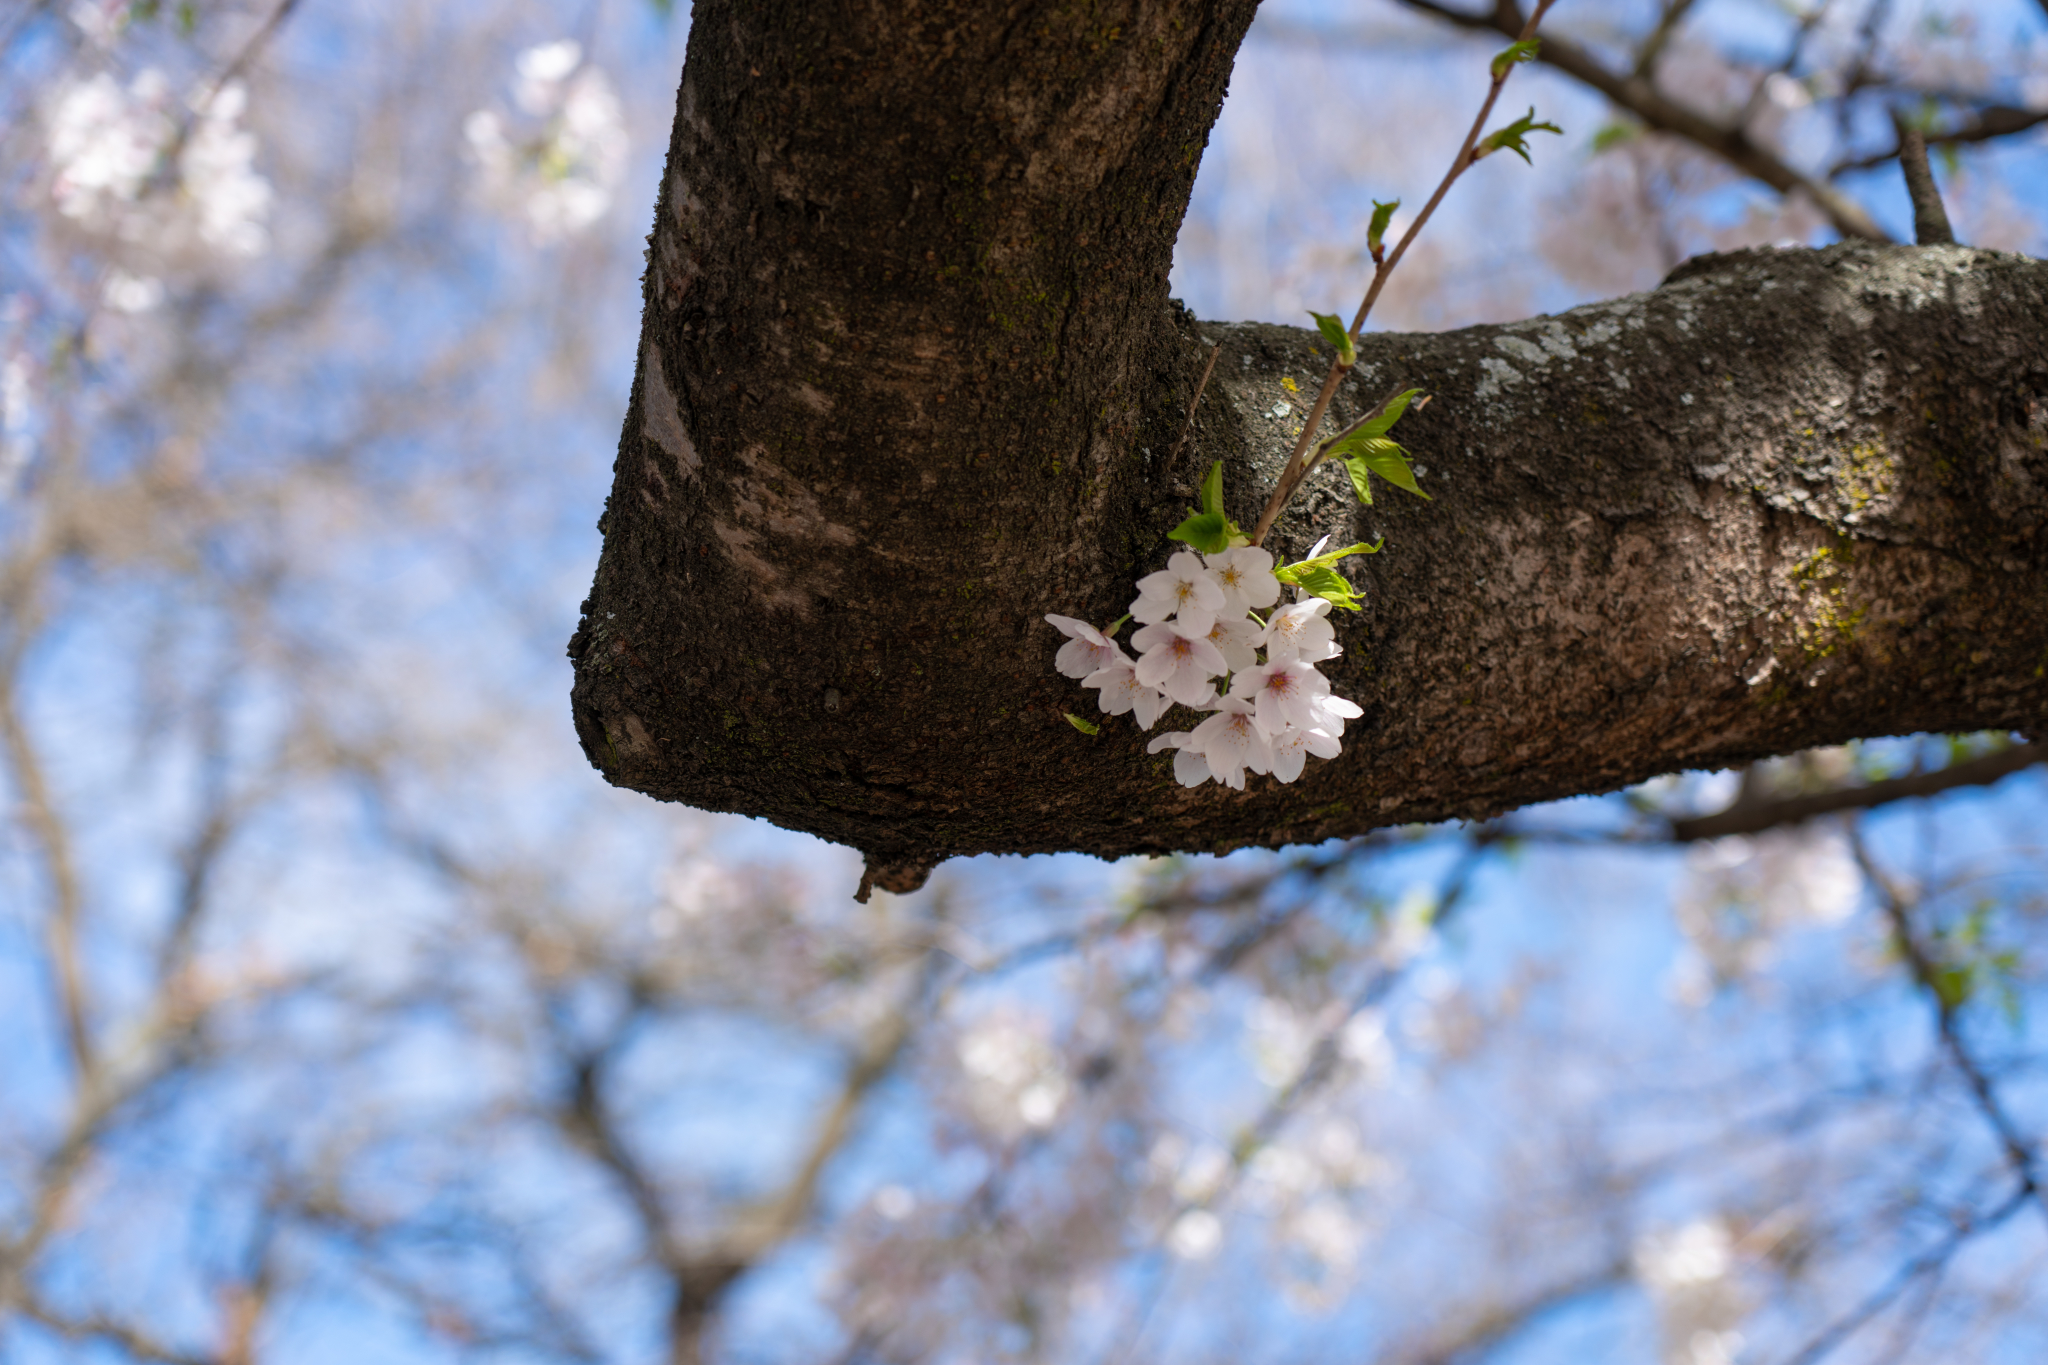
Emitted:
pixel 910 379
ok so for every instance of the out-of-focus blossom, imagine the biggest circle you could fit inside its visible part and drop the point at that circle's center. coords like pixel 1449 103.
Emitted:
pixel 1690 1274
pixel 1015 1077
pixel 895 1203
pixel 101 21
pixel 562 175
pixel 1741 895
pixel 1697 1253
pixel 1195 1235
pixel 108 148
pixel 126 293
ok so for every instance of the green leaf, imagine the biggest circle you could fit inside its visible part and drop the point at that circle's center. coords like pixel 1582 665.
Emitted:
pixel 1614 134
pixel 188 19
pixel 1524 51
pixel 1208 532
pixel 1380 456
pixel 1332 328
pixel 1291 573
pixel 1514 137
pixel 1212 490
pixel 1084 726
pixel 1382 424
pixel 1360 483
pixel 1329 585
pixel 1376 232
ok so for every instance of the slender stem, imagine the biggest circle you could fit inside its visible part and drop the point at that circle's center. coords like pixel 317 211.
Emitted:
pixel 67 899
pixel 1195 402
pixel 1926 971
pixel 1295 470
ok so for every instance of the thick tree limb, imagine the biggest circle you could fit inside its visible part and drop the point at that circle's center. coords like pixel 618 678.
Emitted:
pixel 910 380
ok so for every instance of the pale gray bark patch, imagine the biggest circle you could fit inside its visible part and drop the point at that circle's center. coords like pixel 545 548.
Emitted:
pixel 664 419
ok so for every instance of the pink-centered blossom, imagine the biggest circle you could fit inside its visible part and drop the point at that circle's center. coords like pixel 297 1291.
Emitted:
pixel 1178 662
pixel 1246 576
pixel 1230 742
pixel 1298 631
pixel 1121 692
pixel 1291 749
pixel 1282 695
pixel 1237 640
pixel 1183 590
pixel 1087 649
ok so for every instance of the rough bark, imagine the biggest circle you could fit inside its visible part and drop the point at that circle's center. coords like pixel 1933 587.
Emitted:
pixel 910 379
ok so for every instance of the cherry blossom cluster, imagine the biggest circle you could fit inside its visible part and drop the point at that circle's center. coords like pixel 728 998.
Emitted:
pixel 1199 641
pixel 166 182
pixel 560 163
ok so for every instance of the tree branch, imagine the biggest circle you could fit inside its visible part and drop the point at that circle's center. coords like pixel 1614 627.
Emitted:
pixel 1756 816
pixel 139 1345
pixel 1640 97
pixel 918 383
pixel 1930 217
pixel 66 898
pixel 1653 46
pixel 2019 1150
pixel 1966 1225
pixel 1987 124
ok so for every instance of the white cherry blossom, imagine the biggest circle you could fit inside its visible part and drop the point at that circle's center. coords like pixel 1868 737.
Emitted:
pixel 1230 741
pixel 1200 637
pixel 1121 692
pixel 1299 631
pixel 1237 641
pixel 1190 769
pixel 1087 649
pixel 1291 749
pixel 1246 576
pixel 1179 662
pixel 1330 713
pixel 1184 590
pixel 1283 695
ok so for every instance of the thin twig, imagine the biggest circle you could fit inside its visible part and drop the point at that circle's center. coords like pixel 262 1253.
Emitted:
pixel 1291 475
pixel 1661 113
pixel 1315 1072
pixel 168 166
pixel 1283 492
pixel 1988 124
pixel 1653 46
pixel 62 924
pixel 2019 1152
pixel 1928 1262
pixel 1194 403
